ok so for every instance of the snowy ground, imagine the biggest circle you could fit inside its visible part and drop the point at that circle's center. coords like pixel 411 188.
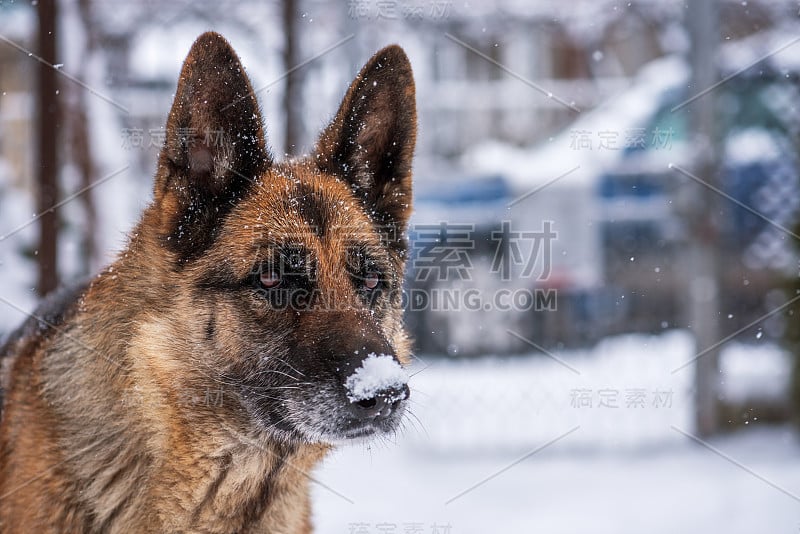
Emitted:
pixel 552 462
pixel 680 488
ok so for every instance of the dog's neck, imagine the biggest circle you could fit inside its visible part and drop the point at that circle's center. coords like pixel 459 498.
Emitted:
pixel 240 489
pixel 203 483
pixel 240 482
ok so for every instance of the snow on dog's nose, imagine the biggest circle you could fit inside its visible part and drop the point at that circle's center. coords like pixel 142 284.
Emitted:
pixel 377 387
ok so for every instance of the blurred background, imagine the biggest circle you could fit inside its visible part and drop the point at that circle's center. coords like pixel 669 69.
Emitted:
pixel 603 280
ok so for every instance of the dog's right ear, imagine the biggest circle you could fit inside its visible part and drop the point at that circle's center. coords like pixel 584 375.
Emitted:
pixel 214 147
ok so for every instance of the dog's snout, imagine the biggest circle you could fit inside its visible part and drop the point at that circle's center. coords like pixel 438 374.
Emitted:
pixel 370 380
pixel 382 404
pixel 377 387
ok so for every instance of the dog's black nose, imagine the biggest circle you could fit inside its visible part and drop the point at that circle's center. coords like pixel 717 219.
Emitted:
pixel 382 404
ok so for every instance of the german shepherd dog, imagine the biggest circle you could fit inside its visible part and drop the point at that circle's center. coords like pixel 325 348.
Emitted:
pixel 195 382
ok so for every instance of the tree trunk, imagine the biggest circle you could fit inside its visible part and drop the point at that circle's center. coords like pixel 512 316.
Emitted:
pixel 292 96
pixel 47 128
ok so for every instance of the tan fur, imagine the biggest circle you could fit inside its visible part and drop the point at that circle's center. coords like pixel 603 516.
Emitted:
pixel 104 427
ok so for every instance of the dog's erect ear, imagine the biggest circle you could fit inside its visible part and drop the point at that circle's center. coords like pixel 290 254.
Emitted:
pixel 214 146
pixel 370 142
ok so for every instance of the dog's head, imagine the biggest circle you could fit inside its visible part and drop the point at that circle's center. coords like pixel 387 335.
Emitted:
pixel 288 275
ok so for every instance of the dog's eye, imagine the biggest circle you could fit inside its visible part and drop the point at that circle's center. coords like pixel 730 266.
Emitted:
pixel 371 280
pixel 270 279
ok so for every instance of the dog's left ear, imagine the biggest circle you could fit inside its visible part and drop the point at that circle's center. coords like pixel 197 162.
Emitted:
pixel 370 142
pixel 214 147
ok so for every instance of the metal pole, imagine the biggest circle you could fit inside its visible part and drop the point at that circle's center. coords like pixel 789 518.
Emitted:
pixel 704 252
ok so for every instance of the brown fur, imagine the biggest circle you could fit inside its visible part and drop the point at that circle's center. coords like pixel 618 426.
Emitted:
pixel 106 421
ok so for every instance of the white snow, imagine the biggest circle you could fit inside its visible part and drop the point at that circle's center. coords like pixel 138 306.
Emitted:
pixel 755 372
pixel 530 167
pixel 774 47
pixel 18 271
pixel 622 393
pixel 378 372
pixel 507 428
pixel 751 146
pixel 682 488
